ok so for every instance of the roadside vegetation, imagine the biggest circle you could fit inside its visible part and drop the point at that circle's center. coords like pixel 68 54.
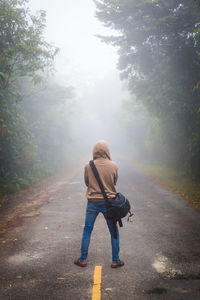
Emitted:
pixel 31 103
pixel 170 179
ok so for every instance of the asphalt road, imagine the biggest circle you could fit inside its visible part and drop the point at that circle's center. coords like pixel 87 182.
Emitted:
pixel 160 248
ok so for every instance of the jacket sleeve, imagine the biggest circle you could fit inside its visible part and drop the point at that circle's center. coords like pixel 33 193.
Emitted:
pixel 116 177
pixel 86 176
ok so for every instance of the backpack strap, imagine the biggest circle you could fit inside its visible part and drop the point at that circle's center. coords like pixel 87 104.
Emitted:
pixel 130 215
pixel 120 223
pixel 96 174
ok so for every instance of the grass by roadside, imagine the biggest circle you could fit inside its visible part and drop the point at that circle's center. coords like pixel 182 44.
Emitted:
pixel 173 181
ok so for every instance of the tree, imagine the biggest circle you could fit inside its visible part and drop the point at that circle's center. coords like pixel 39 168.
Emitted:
pixel 24 53
pixel 23 48
pixel 159 48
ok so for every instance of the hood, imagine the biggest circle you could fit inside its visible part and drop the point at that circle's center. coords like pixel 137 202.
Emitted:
pixel 101 150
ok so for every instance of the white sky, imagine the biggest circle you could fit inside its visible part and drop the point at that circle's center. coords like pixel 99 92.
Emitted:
pixel 71 25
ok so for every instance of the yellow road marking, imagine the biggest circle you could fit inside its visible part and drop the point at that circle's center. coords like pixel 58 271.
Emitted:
pixel 96 293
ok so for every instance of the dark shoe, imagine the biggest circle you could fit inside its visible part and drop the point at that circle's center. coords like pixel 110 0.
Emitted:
pixel 80 263
pixel 117 264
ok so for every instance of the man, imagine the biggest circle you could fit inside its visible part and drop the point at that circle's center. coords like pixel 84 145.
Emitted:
pixel 107 170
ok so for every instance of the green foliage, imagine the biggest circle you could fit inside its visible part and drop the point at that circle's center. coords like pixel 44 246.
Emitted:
pixel 24 56
pixel 159 54
pixel 23 48
pixel 11 182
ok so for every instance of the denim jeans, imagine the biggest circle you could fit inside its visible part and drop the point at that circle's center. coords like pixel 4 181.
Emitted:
pixel 92 211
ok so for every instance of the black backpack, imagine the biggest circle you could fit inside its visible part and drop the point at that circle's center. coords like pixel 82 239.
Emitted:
pixel 117 208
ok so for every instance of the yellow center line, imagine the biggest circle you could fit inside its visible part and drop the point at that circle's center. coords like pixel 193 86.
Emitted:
pixel 96 292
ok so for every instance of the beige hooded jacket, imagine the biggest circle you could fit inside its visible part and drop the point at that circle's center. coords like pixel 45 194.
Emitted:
pixel 107 171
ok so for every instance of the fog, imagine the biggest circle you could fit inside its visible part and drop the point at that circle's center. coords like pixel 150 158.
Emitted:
pixel 62 88
pixel 90 67
pixel 66 82
pixel 72 26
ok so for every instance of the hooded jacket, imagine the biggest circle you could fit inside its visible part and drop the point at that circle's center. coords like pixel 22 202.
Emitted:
pixel 107 170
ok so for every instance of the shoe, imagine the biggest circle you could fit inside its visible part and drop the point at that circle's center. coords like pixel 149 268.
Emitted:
pixel 80 263
pixel 117 264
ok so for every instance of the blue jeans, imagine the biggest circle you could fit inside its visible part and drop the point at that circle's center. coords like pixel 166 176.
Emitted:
pixel 92 211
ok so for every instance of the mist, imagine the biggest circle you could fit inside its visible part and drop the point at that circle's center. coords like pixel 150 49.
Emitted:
pixel 79 75
pixel 90 67
pixel 73 73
